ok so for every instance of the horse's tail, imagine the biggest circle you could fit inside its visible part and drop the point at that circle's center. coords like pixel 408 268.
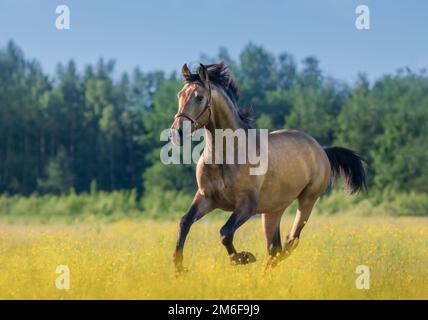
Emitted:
pixel 350 165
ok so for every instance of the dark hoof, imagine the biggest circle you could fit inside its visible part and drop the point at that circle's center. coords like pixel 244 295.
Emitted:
pixel 179 271
pixel 242 258
pixel 273 262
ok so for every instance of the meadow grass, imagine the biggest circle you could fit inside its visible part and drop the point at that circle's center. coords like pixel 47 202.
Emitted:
pixel 104 207
pixel 132 259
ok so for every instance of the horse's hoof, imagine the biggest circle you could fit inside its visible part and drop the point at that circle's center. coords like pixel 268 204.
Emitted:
pixel 179 271
pixel 273 262
pixel 243 257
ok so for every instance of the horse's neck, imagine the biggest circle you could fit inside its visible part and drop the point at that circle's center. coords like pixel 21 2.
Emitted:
pixel 223 116
pixel 223 113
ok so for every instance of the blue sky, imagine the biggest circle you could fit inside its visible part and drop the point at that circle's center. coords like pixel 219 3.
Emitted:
pixel 163 34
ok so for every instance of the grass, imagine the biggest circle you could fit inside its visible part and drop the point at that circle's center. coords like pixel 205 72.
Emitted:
pixel 132 259
pixel 104 207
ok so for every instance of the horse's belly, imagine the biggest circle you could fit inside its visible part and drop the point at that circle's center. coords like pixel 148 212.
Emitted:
pixel 278 195
pixel 290 169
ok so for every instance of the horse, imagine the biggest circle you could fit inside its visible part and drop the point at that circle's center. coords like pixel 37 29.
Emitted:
pixel 298 168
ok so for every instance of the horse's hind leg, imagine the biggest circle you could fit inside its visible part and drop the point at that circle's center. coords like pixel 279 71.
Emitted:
pixel 306 203
pixel 271 225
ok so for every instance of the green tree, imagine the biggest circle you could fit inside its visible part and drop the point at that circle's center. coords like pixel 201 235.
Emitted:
pixel 315 110
pixel 59 178
pixel 402 150
pixel 94 126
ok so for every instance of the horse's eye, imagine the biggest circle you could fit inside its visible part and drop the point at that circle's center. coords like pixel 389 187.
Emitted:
pixel 199 98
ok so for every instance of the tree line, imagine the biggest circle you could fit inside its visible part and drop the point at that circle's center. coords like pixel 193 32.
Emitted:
pixel 80 129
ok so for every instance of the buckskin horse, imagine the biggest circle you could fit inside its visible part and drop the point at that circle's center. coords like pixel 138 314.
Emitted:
pixel 298 168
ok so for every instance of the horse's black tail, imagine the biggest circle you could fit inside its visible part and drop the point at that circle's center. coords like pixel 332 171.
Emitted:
pixel 350 165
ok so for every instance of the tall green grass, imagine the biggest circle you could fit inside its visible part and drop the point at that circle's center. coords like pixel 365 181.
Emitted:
pixel 387 203
pixel 157 204
pixel 70 207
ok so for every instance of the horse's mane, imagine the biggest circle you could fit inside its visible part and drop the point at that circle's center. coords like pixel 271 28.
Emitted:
pixel 219 74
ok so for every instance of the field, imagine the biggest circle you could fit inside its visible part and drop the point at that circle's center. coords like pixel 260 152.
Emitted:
pixel 132 259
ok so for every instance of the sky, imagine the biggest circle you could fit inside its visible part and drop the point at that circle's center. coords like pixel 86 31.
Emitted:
pixel 164 34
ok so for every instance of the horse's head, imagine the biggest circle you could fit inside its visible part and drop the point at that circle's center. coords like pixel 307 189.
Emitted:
pixel 194 104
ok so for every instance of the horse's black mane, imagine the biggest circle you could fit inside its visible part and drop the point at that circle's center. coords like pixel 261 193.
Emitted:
pixel 219 74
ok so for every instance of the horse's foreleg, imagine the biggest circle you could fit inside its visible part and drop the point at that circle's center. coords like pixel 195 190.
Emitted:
pixel 237 219
pixel 200 207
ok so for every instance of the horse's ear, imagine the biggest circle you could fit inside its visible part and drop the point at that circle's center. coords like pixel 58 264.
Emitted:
pixel 185 72
pixel 221 64
pixel 203 74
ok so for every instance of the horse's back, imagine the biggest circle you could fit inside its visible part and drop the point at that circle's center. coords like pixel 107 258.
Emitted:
pixel 299 148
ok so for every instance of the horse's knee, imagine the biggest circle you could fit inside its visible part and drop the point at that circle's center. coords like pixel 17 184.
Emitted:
pixel 226 236
pixel 226 240
pixel 183 228
pixel 185 222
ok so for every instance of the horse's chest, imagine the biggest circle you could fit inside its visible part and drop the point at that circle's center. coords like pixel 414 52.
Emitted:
pixel 218 185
